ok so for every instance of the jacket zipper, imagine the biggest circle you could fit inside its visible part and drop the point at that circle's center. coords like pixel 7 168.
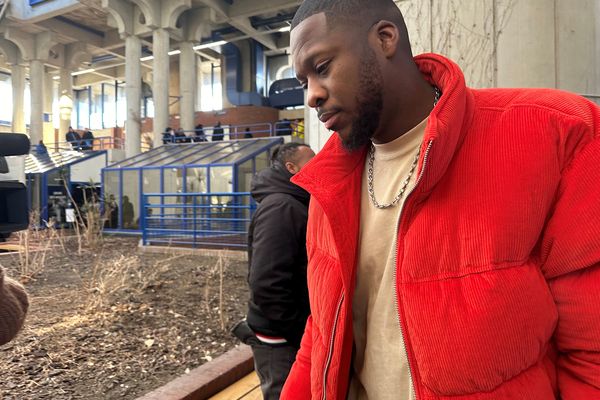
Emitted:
pixel 331 341
pixel 425 158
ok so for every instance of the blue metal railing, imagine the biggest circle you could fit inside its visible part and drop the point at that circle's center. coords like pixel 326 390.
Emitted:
pixel 212 220
pixel 98 143
pixel 235 132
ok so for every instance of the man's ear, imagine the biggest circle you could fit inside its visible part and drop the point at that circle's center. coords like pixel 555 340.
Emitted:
pixel 292 168
pixel 387 37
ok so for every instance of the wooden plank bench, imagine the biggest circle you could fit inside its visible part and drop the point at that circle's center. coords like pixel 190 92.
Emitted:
pixel 247 388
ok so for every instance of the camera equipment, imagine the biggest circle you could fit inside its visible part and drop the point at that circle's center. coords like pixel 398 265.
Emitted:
pixel 14 213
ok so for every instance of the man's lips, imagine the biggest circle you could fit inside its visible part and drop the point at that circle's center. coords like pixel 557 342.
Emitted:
pixel 329 119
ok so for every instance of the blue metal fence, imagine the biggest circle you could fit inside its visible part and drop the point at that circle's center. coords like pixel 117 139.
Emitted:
pixel 211 220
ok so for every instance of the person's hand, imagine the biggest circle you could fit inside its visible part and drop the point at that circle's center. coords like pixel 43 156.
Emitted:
pixel 13 308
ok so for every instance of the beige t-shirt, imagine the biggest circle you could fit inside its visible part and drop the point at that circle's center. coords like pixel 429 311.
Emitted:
pixel 380 364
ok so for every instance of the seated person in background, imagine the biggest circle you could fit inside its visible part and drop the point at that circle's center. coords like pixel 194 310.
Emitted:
pixel 73 138
pixel 200 136
pixel 180 136
pixel 87 142
pixel 40 148
pixel 168 135
pixel 13 307
pixel 218 132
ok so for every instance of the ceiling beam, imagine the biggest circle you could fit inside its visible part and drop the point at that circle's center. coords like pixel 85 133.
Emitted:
pixel 251 8
pixel 220 7
pixel 72 32
pixel 243 24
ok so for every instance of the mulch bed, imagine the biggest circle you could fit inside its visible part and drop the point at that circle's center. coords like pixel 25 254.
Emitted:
pixel 115 323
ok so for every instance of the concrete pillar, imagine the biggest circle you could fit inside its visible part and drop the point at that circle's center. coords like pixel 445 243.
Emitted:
pixel 576 46
pixel 36 80
pixel 18 97
pixel 188 85
pixel 49 132
pixel 160 82
pixel 133 94
pixel 65 97
pixel 528 36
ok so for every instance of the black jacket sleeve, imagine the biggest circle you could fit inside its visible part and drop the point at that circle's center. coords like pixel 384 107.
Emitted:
pixel 277 272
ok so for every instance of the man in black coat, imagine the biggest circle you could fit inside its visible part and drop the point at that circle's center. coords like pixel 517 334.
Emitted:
pixel 278 306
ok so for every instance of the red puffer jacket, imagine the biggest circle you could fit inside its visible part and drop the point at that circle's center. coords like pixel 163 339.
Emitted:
pixel 498 259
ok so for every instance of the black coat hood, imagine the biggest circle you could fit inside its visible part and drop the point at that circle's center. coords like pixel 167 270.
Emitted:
pixel 276 179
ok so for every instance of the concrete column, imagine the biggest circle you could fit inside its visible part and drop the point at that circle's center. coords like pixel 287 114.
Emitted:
pixel 160 82
pixel 65 96
pixel 188 85
pixel 530 36
pixel 36 80
pixel 576 46
pixel 133 94
pixel 18 96
pixel 49 132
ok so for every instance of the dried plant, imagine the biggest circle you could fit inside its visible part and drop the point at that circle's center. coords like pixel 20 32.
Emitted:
pixel 110 278
pixel 214 272
pixel 34 246
pixel 221 263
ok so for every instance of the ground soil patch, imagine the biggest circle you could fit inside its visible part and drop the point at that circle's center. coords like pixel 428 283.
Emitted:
pixel 115 323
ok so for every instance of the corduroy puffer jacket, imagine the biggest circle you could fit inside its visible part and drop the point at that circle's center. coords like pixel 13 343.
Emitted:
pixel 498 258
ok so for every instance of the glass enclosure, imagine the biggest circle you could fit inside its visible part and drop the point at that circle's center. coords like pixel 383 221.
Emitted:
pixel 207 167
pixel 56 178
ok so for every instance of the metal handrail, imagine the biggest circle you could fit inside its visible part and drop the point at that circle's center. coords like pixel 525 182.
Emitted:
pixel 98 143
pixel 196 219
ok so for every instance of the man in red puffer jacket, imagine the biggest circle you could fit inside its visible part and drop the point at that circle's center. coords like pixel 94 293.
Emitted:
pixel 454 234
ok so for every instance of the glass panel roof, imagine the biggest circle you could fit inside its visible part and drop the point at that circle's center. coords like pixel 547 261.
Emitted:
pixel 242 153
pixel 40 163
pixel 227 152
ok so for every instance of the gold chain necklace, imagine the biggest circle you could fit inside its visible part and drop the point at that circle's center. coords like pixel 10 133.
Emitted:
pixel 413 167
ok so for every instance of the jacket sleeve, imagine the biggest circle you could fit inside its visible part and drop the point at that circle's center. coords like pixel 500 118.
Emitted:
pixel 277 246
pixel 297 386
pixel 13 307
pixel 570 250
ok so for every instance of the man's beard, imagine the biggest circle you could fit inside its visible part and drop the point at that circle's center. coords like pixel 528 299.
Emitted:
pixel 369 103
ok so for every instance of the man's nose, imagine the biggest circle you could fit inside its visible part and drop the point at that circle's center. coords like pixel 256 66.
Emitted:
pixel 316 95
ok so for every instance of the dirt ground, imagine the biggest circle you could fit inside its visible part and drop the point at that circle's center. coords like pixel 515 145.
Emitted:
pixel 115 323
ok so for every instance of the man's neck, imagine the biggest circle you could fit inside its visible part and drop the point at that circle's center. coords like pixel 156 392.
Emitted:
pixel 403 115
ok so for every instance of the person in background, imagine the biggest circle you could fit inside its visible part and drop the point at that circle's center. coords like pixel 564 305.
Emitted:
pixel 111 213
pixel 73 138
pixel 128 213
pixel 87 140
pixel 453 233
pixel 168 135
pixel 13 307
pixel 40 148
pixel 300 129
pixel 248 134
pixel 199 135
pixel 285 128
pixel 278 306
pixel 180 136
pixel 218 132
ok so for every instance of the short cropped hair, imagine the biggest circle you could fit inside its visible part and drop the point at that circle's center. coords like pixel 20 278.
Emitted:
pixel 344 12
pixel 286 152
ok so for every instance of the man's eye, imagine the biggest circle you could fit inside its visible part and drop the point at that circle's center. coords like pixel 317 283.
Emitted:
pixel 322 68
